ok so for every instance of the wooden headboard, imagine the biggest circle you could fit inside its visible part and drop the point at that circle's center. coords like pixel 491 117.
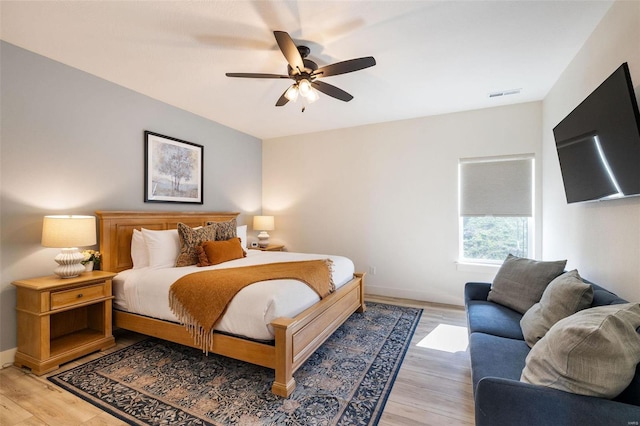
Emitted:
pixel 116 230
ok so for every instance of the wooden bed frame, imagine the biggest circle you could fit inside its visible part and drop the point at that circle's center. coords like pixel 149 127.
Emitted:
pixel 295 338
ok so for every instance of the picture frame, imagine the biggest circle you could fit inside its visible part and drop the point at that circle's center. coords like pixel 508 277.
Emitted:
pixel 173 170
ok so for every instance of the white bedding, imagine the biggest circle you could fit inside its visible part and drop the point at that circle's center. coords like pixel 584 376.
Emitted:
pixel 145 291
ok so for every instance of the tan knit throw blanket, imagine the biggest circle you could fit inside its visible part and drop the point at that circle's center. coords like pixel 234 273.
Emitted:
pixel 199 299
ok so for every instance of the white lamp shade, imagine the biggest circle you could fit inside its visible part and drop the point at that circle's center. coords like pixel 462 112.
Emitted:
pixel 263 223
pixel 292 93
pixel 312 96
pixel 304 86
pixel 68 231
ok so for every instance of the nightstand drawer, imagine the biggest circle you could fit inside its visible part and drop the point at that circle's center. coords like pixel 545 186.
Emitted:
pixel 61 299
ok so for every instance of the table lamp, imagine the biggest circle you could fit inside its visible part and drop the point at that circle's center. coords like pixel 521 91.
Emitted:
pixel 263 224
pixel 69 233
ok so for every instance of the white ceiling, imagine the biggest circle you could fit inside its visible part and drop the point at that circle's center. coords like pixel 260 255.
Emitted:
pixel 433 57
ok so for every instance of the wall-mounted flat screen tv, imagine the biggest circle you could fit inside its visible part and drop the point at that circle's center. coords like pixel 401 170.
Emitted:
pixel 598 143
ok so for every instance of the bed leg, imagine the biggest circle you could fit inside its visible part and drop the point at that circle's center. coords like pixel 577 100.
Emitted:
pixel 284 383
pixel 362 308
pixel 283 390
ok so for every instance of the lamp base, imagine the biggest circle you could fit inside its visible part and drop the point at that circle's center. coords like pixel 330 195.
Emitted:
pixel 263 239
pixel 68 261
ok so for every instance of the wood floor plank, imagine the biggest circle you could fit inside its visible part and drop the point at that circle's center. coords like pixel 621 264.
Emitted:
pixel 11 413
pixel 396 414
pixel 104 419
pixel 44 400
pixel 429 383
pixel 446 405
pixel 32 421
pixel 433 387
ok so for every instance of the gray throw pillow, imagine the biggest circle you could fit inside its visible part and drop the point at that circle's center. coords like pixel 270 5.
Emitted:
pixel 564 296
pixel 520 282
pixel 593 352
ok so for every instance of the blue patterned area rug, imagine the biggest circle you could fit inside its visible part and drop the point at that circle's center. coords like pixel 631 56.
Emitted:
pixel 345 382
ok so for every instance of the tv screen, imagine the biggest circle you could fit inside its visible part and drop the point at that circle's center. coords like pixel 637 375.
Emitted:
pixel 598 143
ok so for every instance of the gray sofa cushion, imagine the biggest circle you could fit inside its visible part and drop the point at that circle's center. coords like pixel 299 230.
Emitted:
pixel 631 395
pixel 491 318
pixel 520 282
pixel 503 402
pixel 604 298
pixel 593 352
pixel 493 356
pixel 564 296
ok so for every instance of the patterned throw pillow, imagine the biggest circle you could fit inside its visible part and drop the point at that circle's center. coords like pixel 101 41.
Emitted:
pixel 190 238
pixel 225 230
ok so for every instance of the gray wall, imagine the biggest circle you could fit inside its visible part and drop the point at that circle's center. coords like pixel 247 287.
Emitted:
pixel 72 143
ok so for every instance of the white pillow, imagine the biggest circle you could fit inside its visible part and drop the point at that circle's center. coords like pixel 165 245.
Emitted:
pixel 163 247
pixel 241 232
pixel 139 252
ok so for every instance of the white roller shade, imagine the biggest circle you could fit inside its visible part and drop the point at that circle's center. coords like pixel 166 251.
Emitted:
pixel 499 187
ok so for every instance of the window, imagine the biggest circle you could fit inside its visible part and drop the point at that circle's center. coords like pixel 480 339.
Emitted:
pixel 496 208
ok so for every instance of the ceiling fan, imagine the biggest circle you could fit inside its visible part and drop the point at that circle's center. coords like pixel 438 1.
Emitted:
pixel 305 73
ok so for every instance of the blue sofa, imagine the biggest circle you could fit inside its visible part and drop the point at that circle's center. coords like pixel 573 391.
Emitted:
pixel 498 351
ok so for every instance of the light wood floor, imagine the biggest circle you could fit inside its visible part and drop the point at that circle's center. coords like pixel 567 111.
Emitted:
pixel 433 387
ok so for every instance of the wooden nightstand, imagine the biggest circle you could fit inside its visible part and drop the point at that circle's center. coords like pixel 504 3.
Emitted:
pixel 272 247
pixel 62 319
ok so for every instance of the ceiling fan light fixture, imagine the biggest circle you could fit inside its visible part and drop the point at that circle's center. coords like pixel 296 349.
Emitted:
pixel 304 86
pixel 305 73
pixel 312 96
pixel 292 93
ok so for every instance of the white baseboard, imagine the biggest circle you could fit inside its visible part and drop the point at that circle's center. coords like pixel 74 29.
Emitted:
pixel 412 294
pixel 7 357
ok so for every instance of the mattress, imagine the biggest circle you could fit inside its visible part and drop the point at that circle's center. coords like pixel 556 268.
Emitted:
pixel 145 291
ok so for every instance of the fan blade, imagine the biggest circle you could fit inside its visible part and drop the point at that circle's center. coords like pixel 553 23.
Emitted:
pixel 283 100
pixel 289 50
pixel 345 66
pixel 332 91
pixel 254 75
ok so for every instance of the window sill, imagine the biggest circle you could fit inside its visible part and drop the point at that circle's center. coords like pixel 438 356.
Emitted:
pixel 488 268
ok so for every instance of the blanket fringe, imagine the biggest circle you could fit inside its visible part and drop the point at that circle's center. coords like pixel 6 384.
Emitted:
pixel 332 285
pixel 202 338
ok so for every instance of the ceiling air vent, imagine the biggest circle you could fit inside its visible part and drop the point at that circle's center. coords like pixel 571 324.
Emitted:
pixel 504 93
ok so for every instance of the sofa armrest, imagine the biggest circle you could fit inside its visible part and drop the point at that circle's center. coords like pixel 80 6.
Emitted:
pixel 476 291
pixel 509 402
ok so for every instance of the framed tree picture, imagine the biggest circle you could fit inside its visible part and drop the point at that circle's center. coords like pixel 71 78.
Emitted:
pixel 173 170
